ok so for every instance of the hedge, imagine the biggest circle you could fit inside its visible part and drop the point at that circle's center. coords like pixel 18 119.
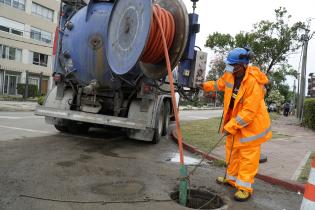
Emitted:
pixel 309 113
pixel 32 90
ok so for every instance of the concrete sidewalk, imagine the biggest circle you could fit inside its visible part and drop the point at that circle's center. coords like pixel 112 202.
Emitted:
pixel 288 153
pixel 12 106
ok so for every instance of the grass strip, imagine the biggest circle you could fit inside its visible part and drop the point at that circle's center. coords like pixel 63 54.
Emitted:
pixel 203 134
pixel 306 170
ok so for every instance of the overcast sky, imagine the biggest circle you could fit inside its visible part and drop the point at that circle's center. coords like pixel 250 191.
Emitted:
pixel 227 16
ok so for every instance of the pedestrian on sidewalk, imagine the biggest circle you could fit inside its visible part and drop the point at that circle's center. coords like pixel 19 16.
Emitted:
pixel 286 109
pixel 245 120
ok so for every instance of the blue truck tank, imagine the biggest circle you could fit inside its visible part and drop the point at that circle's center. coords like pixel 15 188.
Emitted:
pixel 83 47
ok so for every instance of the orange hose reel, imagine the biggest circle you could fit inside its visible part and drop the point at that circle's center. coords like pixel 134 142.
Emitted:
pixel 154 51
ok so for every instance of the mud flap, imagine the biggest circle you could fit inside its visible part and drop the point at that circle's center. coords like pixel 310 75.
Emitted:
pixel 142 135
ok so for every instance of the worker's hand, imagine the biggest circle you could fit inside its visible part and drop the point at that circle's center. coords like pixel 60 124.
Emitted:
pixel 226 133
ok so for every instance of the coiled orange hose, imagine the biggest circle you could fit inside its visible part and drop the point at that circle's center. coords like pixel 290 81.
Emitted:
pixel 154 51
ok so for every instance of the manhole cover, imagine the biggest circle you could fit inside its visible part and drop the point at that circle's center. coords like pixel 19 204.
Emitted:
pixel 201 200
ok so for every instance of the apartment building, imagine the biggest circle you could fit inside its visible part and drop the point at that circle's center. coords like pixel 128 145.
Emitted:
pixel 27 30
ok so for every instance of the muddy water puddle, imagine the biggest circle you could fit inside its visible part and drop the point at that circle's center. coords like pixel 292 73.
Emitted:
pixel 187 160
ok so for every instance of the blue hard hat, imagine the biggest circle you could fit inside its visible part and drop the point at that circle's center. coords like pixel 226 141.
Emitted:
pixel 238 56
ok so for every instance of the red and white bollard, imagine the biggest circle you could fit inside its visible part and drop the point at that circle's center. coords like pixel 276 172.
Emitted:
pixel 308 202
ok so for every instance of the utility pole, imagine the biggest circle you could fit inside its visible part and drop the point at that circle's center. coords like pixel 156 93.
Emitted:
pixel 298 95
pixel 293 100
pixel 305 39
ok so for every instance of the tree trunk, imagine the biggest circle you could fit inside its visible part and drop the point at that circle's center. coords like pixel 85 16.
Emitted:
pixel 272 63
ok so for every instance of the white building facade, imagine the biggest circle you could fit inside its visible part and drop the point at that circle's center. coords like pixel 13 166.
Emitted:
pixel 27 30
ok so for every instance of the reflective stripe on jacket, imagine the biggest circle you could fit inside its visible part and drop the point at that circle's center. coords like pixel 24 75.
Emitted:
pixel 249 120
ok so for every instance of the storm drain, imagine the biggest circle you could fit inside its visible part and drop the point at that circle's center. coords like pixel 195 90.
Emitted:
pixel 200 200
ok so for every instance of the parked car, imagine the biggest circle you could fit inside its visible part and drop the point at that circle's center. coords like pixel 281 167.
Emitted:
pixel 272 107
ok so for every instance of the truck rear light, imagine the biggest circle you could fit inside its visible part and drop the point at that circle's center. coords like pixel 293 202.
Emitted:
pixel 57 77
pixel 147 89
pixel 55 41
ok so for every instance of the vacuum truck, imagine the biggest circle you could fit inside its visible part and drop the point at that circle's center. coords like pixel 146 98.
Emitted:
pixel 109 70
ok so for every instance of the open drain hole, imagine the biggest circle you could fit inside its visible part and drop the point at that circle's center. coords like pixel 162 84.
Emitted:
pixel 200 200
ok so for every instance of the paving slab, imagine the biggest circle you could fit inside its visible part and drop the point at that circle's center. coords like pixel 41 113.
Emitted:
pixel 287 154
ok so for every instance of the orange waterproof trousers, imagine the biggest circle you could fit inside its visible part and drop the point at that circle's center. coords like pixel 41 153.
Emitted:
pixel 243 165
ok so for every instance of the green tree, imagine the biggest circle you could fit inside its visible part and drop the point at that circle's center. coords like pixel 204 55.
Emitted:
pixel 271 41
pixel 278 78
pixel 275 97
pixel 217 66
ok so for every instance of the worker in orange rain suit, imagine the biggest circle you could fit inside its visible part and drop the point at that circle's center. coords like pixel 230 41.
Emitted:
pixel 245 120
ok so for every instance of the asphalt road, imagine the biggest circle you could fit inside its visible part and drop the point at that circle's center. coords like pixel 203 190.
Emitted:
pixel 199 114
pixel 41 168
pixel 20 125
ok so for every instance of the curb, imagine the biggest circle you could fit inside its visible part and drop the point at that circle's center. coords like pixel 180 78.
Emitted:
pixel 17 106
pixel 17 100
pixel 16 109
pixel 292 186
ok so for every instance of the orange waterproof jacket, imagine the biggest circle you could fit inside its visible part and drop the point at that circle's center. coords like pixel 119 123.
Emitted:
pixel 249 120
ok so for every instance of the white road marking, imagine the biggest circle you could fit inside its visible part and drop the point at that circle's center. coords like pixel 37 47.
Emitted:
pixel 9 118
pixel 24 129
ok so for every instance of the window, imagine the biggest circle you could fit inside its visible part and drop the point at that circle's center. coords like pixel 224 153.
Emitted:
pixel 46 37
pixel 6 81
pixel 14 31
pixel 42 11
pixel 40 35
pixel 1 82
pixel 40 59
pixel 5 29
pixel 18 55
pixel 19 4
pixel 10 53
pixel 35 34
pixel 4 49
pixel 33 81
pixel 11 26
pixel 10 84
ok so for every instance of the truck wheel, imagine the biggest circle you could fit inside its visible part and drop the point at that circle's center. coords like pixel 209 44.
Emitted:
pixel 76 128
pixel 159 125
pixel 61 128
pixel 167 111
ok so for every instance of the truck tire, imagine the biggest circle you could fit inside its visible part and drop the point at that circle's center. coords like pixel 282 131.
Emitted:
pixel 167 111
pixel 159 125
pixel 61 128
